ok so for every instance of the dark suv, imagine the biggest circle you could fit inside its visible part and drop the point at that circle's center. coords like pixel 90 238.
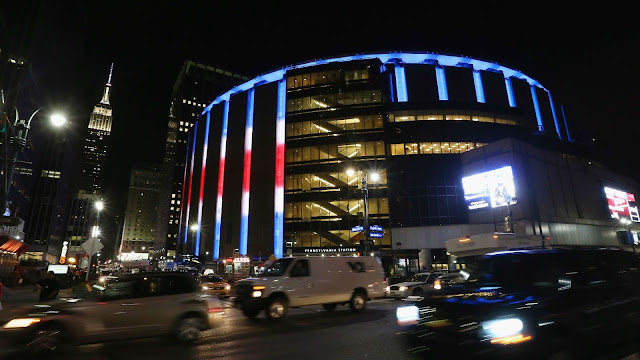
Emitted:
pixel 532 303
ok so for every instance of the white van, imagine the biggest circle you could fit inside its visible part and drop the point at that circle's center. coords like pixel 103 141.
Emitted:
pixel 301 281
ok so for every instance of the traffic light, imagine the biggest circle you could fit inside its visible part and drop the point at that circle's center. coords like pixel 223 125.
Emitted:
pixel 3 122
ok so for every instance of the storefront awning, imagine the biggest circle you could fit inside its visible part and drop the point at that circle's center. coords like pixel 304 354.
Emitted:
pixel 14 246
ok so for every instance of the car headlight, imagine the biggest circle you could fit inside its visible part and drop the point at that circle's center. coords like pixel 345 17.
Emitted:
pixel 387 289
pixel 21 323
pixel 102 279
pixel 227 287
pixel 403 288
pixel 204 287
pixel 437 285
pixel 407 315
pixel 505 331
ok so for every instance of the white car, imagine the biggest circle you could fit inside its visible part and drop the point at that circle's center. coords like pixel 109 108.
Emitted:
pixel 415 285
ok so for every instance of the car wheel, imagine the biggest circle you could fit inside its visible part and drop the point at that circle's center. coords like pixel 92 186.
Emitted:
pixel 358 301
pixel 417 292
pixel 251 313
pixel 48 338
pixel 188 330
pixel 329 307
pixel 277 309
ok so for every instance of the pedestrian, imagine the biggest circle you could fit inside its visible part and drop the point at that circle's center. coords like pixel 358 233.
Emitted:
pixel 49 287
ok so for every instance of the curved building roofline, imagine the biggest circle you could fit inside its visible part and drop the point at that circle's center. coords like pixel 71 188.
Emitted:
pixel 385 58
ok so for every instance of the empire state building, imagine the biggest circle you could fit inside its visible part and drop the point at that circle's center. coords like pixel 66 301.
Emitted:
pixel 95 144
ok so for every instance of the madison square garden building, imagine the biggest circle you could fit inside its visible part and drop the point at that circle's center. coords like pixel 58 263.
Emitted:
pixel 276 164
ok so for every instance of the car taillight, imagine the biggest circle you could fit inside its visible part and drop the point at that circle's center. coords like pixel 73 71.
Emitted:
pixel 213 307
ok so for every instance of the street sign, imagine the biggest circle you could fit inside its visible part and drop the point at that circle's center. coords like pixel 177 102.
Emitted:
pixel 375 228
pixel 376 235
pixel 92 246
pixel 9 220
pixel 357 228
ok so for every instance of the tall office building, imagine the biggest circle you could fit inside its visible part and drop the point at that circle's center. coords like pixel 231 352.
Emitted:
pixel 90 185
pixel 196 86
pixel 138 240
pixel 96 142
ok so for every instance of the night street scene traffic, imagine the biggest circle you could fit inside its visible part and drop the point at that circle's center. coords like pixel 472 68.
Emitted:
pixel 354 180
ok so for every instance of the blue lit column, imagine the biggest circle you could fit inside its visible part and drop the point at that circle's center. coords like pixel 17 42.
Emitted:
pixel 401 82
pixel 510 95
pixel 555 117
pixel 441 79
pixel 477 82
pixel 566 127
pixel 536 107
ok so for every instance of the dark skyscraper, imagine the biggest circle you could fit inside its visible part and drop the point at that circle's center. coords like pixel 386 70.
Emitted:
pixel 197 85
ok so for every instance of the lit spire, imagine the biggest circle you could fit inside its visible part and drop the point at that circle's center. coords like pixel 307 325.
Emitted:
pixel 107 88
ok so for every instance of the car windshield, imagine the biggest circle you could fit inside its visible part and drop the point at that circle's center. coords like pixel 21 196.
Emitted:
pixel 212 278
pixel 418 278
pixel 517 271
pixel 278 267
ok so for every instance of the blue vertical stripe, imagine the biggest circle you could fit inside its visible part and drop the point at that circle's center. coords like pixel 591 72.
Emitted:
pixel 536 107
pixel 565 124
pixel 510 95
pixel 477 82
pixel 401 83
pixel 441 79
pixel 555 117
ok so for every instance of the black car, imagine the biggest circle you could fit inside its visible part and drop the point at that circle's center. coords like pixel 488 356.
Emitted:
pixel 537 303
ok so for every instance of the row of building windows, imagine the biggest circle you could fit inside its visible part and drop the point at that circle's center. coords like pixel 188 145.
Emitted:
pixel 328 101
pixel 307 182
pixel 332 151
pixel 442 147
pixel 334 125
pixel 333 210
pixel 452 115
pixel 326 77
pixel 185 101
pixel 428 210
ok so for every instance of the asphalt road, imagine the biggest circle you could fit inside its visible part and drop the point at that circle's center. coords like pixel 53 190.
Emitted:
pixel 306 333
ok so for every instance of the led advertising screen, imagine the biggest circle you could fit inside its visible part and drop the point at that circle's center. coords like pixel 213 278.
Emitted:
pixel 493 189
pixel 622 205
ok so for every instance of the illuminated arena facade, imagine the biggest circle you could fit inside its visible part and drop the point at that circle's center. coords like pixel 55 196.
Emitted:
pixel 275 165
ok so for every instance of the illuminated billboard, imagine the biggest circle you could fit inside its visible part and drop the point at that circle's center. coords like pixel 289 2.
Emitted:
pixel 622 205
pixel 493 189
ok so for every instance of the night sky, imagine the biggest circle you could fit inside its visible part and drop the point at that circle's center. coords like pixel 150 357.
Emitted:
pixel 586 57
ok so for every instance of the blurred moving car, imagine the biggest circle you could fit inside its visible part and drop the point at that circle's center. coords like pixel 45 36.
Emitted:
pixel 137 305
pixel 445 280
pixel 543 303
pixel 215 285
pixel 416 285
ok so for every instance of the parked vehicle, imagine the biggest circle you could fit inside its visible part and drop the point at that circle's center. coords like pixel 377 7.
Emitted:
pixel 136 305
pixel 416 285
pixel 302 281
pixel 541 303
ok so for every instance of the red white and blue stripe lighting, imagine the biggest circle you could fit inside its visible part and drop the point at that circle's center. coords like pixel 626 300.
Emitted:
pixel 223 154
pixel 203 172
pixel 193 155
pixel 278 226
pixel 246 175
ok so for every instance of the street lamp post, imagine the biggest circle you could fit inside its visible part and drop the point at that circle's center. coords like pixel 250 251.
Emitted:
pixel 99 205
pixel 17 142
pixel 365 194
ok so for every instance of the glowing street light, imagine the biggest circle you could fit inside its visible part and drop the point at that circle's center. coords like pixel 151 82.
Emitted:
pixel 365 192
